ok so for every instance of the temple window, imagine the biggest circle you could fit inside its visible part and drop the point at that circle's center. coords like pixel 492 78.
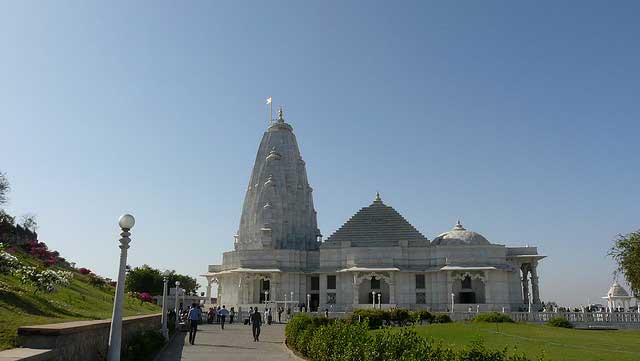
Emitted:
pixel 331 282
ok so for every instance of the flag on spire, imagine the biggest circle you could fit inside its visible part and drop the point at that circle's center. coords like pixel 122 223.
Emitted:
pixel 269 100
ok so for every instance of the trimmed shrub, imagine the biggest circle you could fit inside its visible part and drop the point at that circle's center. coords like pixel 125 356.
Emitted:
pixel 442 318
pixel 422 316
pixel 376 317
pixel 495 317
pixel 560 322
pixel 399 315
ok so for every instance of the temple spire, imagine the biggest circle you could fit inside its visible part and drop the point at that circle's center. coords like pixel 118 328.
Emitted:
pixel 378 199
pixel 280 115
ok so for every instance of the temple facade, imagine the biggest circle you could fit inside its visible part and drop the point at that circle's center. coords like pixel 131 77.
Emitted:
pixel 376 257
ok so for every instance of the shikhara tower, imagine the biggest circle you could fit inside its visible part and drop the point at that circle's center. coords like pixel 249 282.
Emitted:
pixel 278 208
pixel 280 259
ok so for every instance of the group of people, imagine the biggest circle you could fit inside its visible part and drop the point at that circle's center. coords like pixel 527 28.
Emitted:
pixel 194 315
pixel 219 315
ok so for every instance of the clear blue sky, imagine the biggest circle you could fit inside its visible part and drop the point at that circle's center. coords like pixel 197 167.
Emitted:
pixel 521 119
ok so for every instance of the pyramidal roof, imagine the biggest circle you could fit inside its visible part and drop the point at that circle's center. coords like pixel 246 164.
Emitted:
pixel 376 223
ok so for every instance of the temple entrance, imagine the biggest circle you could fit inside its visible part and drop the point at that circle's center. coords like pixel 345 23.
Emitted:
pixel 469 289
pixel 467 297
pixel 377 285
pixel 314 302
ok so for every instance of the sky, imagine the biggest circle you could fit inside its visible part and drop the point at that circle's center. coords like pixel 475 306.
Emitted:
pixel 519 118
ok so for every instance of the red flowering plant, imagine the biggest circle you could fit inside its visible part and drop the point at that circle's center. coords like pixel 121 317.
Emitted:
pixel 145 297
pixel 84 271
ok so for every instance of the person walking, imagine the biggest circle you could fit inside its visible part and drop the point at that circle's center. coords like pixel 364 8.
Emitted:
pixel 250 313
pixel 255 320
pixel 223 315
pixel 232 314
pixel 269 316
pixel 280 310
pixel 194 317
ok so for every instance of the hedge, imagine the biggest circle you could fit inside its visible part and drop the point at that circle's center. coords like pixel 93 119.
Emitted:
pixel 336 340
pixel 560 322
pixel 495 317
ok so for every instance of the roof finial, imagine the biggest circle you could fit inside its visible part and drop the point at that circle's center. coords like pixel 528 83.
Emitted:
pixel 280 115
pixel 458 226
pixel 378 199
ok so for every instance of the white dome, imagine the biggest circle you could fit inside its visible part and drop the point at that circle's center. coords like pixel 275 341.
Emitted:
pixel 459 236
pixel 617 291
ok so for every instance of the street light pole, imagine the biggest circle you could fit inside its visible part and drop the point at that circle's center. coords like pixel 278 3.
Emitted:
pixel 125 222
pixel 308 302
pixel 165 281
pixel 176 305
pixel 373 293
pixel 453 295
pixel 380 300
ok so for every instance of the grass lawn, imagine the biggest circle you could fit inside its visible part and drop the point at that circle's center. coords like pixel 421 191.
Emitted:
pixel 556 343
pixel 20 306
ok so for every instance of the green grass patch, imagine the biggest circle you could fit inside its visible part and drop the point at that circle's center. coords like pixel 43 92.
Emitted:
pixel 556 343
pixel 20 305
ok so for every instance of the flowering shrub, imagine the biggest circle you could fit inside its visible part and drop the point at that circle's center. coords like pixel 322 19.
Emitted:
pixel 84 271
pixel 43 280
pixel 40 251
pixel 8 262
pixel 145 297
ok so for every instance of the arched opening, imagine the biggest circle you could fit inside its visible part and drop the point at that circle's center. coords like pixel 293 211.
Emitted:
pixel 374 284
pixel 469 290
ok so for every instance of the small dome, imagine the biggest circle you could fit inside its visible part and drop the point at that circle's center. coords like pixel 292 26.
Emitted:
pixel 459 236
pixel 617 291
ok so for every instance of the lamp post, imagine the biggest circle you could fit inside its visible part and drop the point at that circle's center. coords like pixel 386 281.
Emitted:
pixel 266 298
pixel 165 279
pixel 125 222
pixel 176 305
pixel 529 296
pixel 453 295
pixel 380 300
pixel 373 293
pixel 308 302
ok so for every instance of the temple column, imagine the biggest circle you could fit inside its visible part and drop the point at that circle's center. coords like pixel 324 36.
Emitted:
pixel 274 287
pixel 535 290
pixel 392 288
pixel 355 289
pixel 525 283
pixel 208 290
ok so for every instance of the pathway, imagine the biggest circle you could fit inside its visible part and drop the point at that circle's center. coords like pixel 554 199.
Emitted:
pixel 234 343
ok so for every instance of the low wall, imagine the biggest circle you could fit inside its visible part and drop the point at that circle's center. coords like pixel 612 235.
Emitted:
pixel 83 340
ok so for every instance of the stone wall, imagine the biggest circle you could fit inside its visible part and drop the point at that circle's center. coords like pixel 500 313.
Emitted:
pixel 83 340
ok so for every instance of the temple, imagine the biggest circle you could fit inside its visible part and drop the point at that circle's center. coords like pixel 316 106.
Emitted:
pixel 376 257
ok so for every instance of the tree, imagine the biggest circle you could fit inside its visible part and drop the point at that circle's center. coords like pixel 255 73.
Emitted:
pixel 29 221
pixel 148 279
pixel 4 188
pixel 626 252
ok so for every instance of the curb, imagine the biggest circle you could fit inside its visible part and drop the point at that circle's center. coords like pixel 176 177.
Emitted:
pixel 166 345
pixel 292 354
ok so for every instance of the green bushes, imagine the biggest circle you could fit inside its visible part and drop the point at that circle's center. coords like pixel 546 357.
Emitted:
pixel 352 341
pixel 143 346
pixel 496 317
pixel 376 317
pixel 422 316
pixel 560 322
pixel 442 318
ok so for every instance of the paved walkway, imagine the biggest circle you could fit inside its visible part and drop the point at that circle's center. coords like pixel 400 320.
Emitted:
pixel 234 343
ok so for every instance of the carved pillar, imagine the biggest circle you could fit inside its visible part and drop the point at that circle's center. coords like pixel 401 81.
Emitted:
pixel 535 290
pixel 525 283
pixel 208 290
pixel 487 288
pixel 355 289
pixel 392 288
pixel 273 292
